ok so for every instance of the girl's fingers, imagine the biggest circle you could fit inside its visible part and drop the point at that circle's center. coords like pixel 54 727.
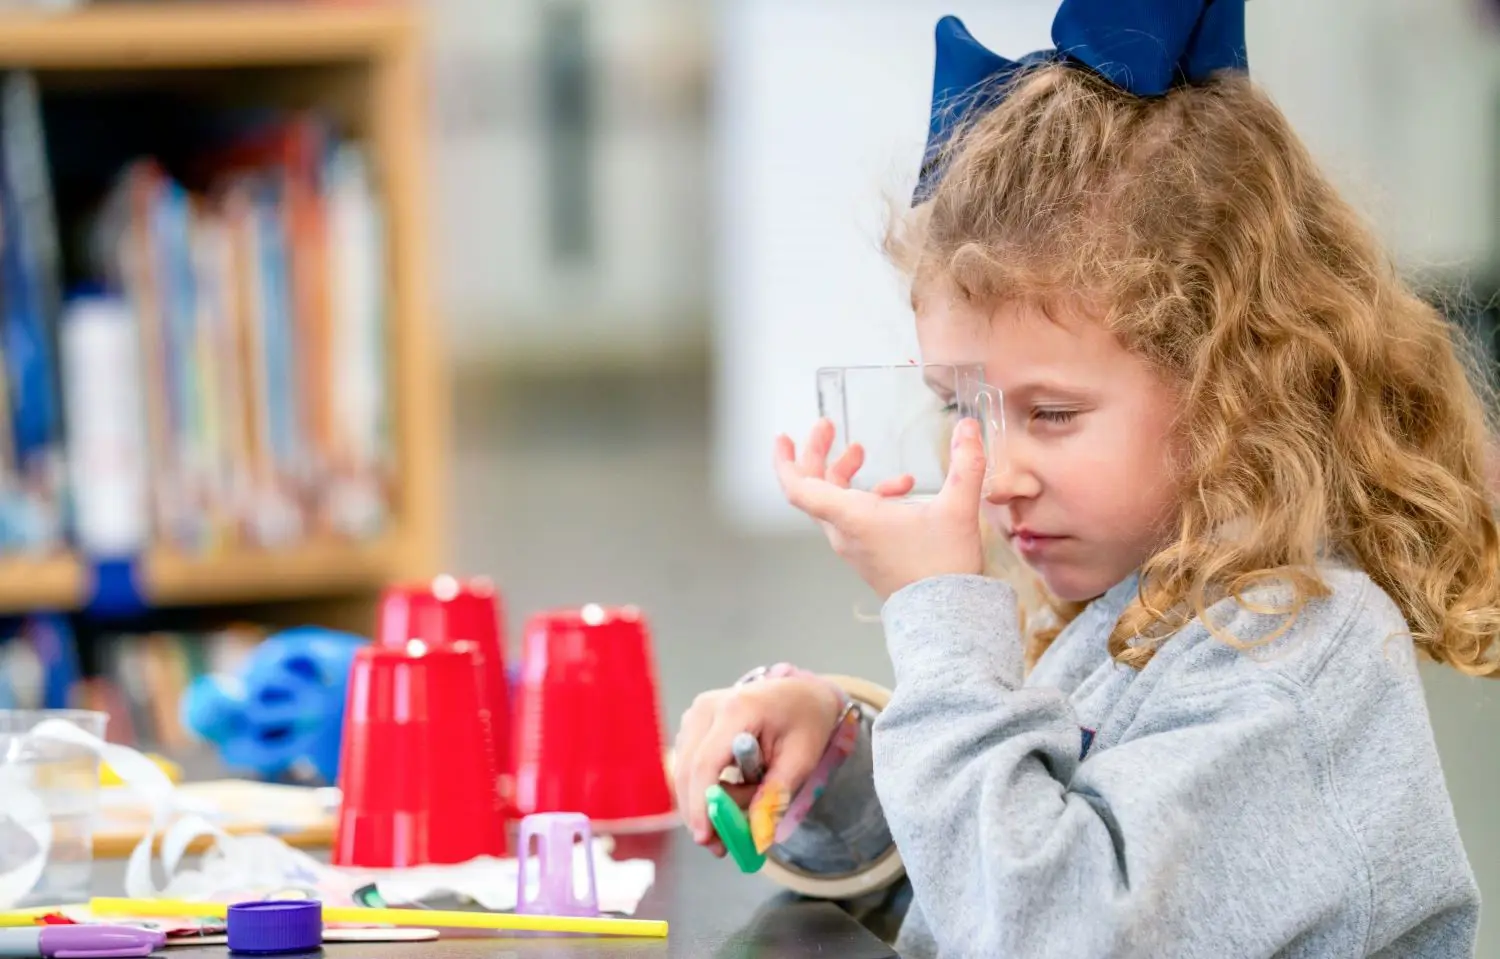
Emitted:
pixel 785 451
pixel 694 725
pixel 814 496
pixel 741 794
pixel 966 470
pixel 713 757
pixel 896 486
pixel 814 459
pixel 841 473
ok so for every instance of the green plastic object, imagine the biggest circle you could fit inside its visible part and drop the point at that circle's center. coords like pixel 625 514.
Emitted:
pixel 733 829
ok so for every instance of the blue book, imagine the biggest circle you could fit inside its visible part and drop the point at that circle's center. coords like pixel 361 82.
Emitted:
pixel 56 648
pixel 30 277
pixel 280 330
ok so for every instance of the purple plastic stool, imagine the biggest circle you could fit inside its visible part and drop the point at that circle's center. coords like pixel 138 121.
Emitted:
pixel 555 833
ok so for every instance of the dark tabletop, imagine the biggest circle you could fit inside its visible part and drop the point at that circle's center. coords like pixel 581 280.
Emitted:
pixel 714 912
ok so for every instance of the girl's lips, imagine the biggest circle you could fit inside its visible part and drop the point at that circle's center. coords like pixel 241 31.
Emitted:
pixel 1029 543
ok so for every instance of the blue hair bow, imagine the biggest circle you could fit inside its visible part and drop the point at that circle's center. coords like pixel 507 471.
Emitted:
pixel 1145 47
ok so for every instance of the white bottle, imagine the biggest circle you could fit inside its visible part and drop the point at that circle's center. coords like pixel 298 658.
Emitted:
pixel 104 412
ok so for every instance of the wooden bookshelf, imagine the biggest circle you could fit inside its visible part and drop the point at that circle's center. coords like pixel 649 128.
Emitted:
pixel 175 35
pixel 307 570
pixel 40 583
pixel 363 61
pixel 170 578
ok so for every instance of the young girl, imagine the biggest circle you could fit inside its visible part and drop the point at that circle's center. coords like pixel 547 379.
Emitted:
pixel 1246 467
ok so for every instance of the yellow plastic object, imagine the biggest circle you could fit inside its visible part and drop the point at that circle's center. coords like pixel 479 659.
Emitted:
pixel 425 918
pixel 108 777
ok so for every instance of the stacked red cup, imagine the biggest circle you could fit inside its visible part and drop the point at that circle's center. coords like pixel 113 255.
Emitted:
pixel 589 731
pixel 449 610
pixel 417 769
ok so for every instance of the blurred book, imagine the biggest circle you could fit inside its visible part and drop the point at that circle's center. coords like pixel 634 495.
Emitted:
pixel 31 450
pixel 253 263
pixel 141 679
pixel 39 667
pixel 261 299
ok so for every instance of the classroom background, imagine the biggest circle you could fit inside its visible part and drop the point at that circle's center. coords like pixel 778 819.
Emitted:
pixel 532 305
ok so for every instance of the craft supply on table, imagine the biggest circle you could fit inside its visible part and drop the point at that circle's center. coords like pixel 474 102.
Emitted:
pixel 49 797
pixel 447 610
pixel 773 817
pixel 493 883
pixel 274 927
pixel 191 931
pixel 255 865
pixel 25 917
pixel 733 830
pixel 73 941
pixel 589 721
pixel 302 816
pixel 436 918
pixel 108 776
pixel 418 749
pixel 285 709
pixel 545 878
pixel 747 757
pixel 774 813
pixel 778 816
pixel 220 936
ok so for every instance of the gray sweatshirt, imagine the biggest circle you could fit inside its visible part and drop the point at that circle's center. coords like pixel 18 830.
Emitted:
pixel 1284 800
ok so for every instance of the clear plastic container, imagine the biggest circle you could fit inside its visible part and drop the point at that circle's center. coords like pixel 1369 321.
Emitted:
pixel 49 806
pixel 904 416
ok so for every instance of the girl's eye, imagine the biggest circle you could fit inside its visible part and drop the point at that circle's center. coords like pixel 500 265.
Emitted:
pixel 950 408
pixel 1053 416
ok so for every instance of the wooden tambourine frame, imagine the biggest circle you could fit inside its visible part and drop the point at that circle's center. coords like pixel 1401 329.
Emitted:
pixel 882 873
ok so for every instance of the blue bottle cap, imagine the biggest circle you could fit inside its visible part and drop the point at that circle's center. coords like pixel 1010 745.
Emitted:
pixel 276 926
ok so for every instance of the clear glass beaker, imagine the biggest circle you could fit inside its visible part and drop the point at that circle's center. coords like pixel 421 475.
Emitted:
pixel 49 805
pixel 903 416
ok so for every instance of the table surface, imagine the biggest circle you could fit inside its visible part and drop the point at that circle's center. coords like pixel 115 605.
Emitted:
pixel 712 909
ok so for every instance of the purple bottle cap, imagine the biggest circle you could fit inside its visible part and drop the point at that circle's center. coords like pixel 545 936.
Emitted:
pixel 292 925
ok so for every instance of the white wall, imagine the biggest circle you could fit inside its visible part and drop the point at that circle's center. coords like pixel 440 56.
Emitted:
pixel 822 116
pixel 1400 101
pixel 501 296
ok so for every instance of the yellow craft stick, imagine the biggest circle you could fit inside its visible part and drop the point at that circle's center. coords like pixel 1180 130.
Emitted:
pixel 11 918
pixel 431 918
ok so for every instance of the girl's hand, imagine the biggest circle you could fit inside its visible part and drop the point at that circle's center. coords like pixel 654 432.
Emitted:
pixel 792 717
pixel 891 544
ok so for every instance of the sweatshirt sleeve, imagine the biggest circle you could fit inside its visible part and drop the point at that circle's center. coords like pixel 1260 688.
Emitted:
pixel 1203 831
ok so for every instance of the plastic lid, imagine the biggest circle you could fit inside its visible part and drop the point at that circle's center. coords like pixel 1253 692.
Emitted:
pixel 276 926
pixel 734 829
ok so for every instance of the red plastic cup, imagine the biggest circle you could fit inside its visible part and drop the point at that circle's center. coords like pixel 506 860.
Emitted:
pixel 589 732
pixel 417 769
pixel 449 610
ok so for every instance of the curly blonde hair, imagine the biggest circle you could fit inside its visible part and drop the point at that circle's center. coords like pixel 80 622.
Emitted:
pixel 1327 409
